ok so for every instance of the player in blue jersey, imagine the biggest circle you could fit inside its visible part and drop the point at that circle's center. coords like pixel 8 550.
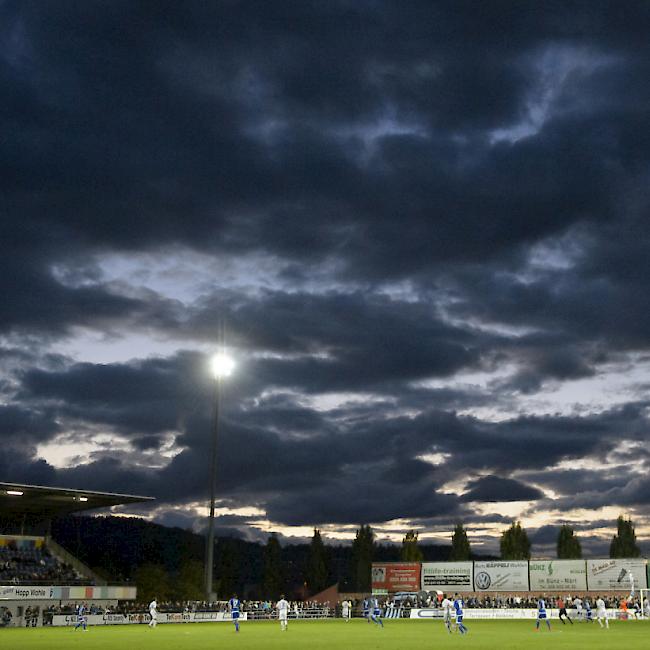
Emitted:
pixel 233 606
pixel 366 609
pixel 458 606
pixel 375 612
pixel 541 614
pixel 590 614
pixel 82 621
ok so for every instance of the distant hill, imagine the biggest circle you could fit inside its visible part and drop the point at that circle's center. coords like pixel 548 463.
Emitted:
pixel 117 547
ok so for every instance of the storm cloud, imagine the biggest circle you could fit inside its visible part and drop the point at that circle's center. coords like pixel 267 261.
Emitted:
pixel 423 225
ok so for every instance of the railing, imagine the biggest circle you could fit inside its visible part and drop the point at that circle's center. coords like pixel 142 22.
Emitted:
pixel 300 614
pixel 60 553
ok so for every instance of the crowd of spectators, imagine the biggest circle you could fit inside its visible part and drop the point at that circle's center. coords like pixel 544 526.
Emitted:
pixel 5 616
pixel 255 608
pixel 503 601
pixel 33 565
pixel 260 609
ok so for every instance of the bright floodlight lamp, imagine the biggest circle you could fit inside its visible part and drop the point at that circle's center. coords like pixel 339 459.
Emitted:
pixel 222 365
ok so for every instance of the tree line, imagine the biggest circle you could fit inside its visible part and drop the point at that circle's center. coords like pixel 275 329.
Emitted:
pixel 168 562
pixel 514 543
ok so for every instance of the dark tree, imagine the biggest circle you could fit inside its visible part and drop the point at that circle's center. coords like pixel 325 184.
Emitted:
pixel 273 569
pixel 624 542
pixel 460 549
pixel 362 551
pixel 153 582
pixel 228 562
pixel 568 544
pixel 317 571
pixel 189 582
pixel 410 551
pixel 515 544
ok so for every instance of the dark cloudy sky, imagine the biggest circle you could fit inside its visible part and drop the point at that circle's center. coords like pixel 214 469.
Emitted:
pixel 424 224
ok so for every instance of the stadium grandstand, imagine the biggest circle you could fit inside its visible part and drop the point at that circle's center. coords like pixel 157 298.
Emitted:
pixel 36 573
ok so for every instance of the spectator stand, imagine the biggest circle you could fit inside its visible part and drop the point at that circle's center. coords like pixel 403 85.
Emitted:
pixel 36 573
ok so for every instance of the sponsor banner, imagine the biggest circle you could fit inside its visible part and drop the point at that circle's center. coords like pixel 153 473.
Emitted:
pixel 447 576
pixel 62 620
pixel 28 593
pixel 214 616
pixel 561 575
pixel 501 576
pixel 496 613
pixel 614 575
pixel 426 613
pixel 481 613
pixel 12 592
pixel 395 576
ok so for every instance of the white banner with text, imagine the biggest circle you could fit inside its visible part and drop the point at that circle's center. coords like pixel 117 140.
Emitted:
pixel 616 575
pixel 501 576
pixel 447 576
pixel 62 620
pixel 560 575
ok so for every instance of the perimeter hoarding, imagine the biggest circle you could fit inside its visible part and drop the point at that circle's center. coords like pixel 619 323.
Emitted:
pixel 59 620
pixel 394 576
pixel 12 592
pixel 501 576
pixel 614 575
pixel 559 575
pixel 447 576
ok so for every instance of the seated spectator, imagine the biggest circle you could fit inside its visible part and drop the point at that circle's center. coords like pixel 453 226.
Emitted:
pixel 26 563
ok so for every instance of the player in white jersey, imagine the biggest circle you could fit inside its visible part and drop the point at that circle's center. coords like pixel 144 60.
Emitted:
pixel 601 612
pixel 345 610
pixel 153 606
pixel 577 603
pixel 447 611
pixel 282 607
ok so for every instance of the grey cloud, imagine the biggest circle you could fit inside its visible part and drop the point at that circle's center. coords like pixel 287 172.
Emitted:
pixel 496 489
pixel 377 143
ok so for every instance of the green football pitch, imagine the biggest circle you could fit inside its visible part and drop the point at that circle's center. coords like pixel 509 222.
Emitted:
pixel 332 635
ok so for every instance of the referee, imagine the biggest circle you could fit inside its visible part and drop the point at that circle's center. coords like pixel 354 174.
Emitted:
pixel 562 608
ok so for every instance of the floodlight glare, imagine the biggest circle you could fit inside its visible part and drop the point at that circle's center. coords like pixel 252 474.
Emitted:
pixel 222 365
pixel 15 493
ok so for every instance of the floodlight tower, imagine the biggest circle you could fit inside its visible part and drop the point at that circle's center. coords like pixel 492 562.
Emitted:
pixel 222 367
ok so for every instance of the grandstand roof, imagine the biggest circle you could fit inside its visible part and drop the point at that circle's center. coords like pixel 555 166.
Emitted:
pixel 16 498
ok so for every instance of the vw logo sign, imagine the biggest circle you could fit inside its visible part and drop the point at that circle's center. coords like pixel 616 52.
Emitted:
pixel 482 580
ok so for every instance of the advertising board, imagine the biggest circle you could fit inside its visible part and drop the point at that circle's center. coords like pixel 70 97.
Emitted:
pixel 60 620
pixel 560 575
pixel 57 592
pixel 395 576
pixel 501 576
pixel 447 576
pixel 614 574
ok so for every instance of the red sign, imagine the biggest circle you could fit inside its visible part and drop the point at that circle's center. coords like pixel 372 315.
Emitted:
pixel 393 576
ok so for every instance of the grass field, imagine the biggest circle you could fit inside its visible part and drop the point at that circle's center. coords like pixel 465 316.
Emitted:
pixel 331 635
